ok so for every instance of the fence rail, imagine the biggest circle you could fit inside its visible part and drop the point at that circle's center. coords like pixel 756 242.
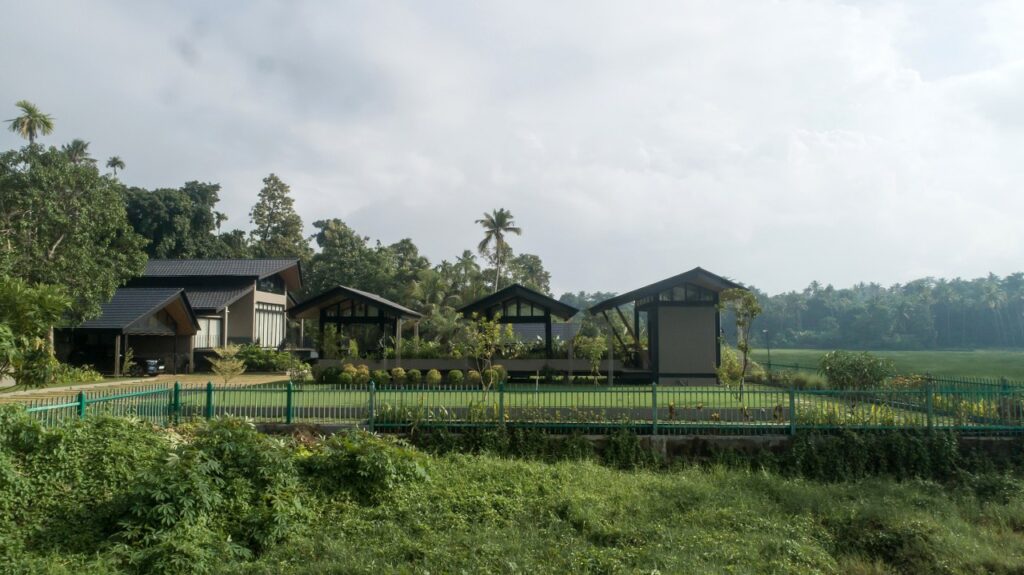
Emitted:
pixel 670 410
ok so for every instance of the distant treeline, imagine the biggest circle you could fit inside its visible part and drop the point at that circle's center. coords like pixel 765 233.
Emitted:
pixel 927 313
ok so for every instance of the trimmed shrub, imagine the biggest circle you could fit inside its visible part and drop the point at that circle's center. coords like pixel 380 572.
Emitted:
pixel 362 375
pixel 380 377
pixel 490 377
pixel 433 378
pixel 398 375
pixel 455 377
pixel 346 378
pixel 473 378
pixel 414 376
pixel 502 373
pixel 328 375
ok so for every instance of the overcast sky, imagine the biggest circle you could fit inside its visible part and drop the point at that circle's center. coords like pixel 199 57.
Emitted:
pixel 772 142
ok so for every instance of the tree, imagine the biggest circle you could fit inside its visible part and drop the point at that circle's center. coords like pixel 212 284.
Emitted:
pixel 745 307
pixel 26 314
pixel 277 228
pixel 31 123
pixel 227 364
pixel 78 152
pixel 181 222
pixel 496 225
pixel 64 224
pixel 481 339
pixel 115 163
pixel 346 258
pixel 528 270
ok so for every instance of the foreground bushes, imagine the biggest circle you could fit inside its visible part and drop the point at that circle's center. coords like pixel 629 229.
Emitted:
pixel 116 496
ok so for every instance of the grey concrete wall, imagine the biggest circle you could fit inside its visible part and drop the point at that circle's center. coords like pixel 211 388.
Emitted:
pixel 241 316
pixel 687 340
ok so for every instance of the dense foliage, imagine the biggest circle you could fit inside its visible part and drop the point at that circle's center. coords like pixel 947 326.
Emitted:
pixel 222 498
pixel 928 313
pixel 64 224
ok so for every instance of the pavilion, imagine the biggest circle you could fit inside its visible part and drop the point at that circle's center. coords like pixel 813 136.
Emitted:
pixel 518 305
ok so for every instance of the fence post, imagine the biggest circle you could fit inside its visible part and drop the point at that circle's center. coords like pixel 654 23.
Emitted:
pixel 654 408
pixel 792 410
pixel 289 405
pixel 209 400
pixel 501 403
pixel 81 405
pixel 373 400
pixel 176 402
pixel 929 401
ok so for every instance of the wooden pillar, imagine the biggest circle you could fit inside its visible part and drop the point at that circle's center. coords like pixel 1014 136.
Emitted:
pixel 398 342
pixel 117 355
pixel 302 333
pixel 224 330
pixel 547 334
pixel 416 332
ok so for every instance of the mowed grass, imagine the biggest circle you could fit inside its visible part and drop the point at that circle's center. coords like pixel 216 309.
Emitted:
pixel 977 363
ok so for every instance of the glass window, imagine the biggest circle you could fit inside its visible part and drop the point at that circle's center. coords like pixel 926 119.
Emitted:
pixel 209 334
pixel 270 324
pixel 510 309
pixel 372 311
pixel 538 311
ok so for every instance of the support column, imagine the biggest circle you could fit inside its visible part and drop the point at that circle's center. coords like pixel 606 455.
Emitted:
pixel 398 342
pixel 224 331
pixel 547 334
pixel 416 332
pixel 117 355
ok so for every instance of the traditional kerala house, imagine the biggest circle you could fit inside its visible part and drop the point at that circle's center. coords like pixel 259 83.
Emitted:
pixel 530 312
pixel 157 323
pixel 682 324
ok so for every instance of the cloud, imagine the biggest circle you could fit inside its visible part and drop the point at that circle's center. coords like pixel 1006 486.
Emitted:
pixel 776 143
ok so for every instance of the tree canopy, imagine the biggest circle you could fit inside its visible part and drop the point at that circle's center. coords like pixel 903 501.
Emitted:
pixel 63 223
pixel 277 228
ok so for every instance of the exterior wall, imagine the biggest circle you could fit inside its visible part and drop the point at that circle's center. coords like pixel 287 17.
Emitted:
pixel 687 341
pixel 241 315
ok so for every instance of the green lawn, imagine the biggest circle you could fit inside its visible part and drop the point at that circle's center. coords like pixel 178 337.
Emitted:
pixel 978 363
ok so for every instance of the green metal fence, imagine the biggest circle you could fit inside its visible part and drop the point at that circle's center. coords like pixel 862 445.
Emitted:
pixel 755 410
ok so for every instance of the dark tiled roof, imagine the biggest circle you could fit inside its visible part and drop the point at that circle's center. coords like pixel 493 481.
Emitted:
pixel 698 276
pixel 215 299
pixel 534 332
pixel 130 305
pixel 557 308
pixel 341 292
pixel 218 268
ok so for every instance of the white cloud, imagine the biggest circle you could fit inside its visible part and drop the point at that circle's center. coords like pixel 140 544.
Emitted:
pixel 773 142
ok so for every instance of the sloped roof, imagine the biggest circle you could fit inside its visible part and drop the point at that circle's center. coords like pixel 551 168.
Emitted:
pixel 215 299
pixel 249 268
pixel 697 276
pixel 557 308
pixel 131 306
pixel 340 293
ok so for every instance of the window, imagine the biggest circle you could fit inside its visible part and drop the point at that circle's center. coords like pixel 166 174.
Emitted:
pixel 209 334
pixel 272 284
pixel 270 324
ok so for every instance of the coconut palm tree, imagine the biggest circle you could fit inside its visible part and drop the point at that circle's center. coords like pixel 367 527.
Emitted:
pixel 31 123
pixel 78 152
pixel 496 224
pixel 115 163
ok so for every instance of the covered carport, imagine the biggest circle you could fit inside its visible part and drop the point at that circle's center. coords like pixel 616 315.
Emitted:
pixel 156 323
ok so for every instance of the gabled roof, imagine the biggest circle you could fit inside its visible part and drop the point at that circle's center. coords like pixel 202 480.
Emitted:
pixel 697 276
pixel 340 293
pixel 218 268
pixel 127 311
pixel 215 300
pixel 557 308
